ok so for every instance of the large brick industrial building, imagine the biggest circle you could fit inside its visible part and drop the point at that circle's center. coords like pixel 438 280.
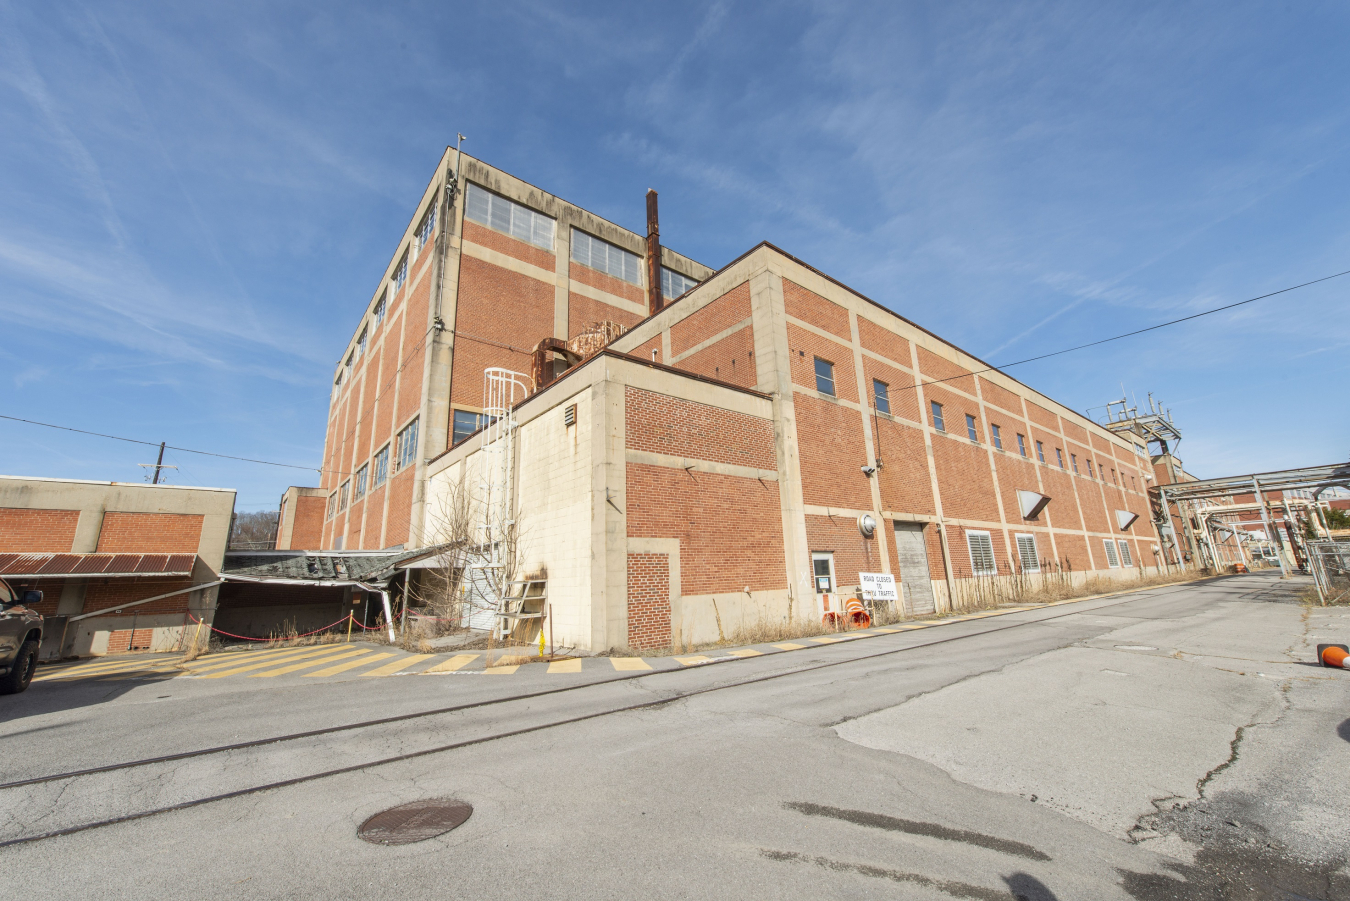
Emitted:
pixel 757 437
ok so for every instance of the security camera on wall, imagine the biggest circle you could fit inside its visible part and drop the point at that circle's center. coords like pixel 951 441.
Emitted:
pixel 869 471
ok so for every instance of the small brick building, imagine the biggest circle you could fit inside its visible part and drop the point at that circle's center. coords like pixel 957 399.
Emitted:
pixel 117 563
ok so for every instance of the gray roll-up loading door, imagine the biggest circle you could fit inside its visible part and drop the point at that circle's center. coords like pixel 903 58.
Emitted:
pixel 915 580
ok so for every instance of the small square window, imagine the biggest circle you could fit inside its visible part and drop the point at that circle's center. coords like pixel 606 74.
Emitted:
pixel 824 377
pixel 466 422
pixel 937 417
pixel 970 429
pixel 998 437
pixel 881 396
pixel 1021 444
pixel 1040 451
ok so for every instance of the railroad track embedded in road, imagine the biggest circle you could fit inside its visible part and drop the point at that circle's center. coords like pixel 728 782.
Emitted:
pixel 385 761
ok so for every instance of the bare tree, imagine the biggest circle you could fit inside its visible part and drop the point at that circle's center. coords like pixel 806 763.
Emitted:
pixel 254 531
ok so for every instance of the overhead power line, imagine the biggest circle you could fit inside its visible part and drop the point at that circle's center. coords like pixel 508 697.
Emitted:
pixel 1046 356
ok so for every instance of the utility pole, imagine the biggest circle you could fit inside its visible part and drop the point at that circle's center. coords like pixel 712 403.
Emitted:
pixel 159 464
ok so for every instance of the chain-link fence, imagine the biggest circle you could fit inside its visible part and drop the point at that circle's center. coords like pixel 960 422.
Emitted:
pixel 1330 565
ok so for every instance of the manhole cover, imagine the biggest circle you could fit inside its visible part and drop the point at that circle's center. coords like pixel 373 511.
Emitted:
pixel 414 822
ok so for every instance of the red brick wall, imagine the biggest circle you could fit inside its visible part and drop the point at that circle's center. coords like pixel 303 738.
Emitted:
pixel 511 311
pixel 948 373
pixel 960 550
pixel 964 479
pixel 648 601
pixel 512 247
pixel 38 531
pixel 1001 397
pixel 730 528
pixel 111 592
pixel 400 508
pixel 730 360
pixel 713 319
pixel 829 442
pixel 123 640
pixel 903 477
pixel 904 399
pixel 150 533
pixel 811 308
pixel 804 347
pixel 884 342
pixel 605 282
pixel 307 531
pixel 644 351
pixel 583 311
pixel 663 424
pixel 852 552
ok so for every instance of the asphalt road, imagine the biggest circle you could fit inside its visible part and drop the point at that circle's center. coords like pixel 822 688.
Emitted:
pixel 1177 743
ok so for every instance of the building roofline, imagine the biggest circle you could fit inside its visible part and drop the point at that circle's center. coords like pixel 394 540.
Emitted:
pixel 117 484
pixel 834 281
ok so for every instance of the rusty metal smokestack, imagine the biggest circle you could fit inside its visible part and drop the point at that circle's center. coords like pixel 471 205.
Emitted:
pixel 654 298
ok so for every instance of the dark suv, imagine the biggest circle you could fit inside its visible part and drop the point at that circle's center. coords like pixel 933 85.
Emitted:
pixel 20 636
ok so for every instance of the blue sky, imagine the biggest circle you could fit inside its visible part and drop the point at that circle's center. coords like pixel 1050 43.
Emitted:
pixel 198 199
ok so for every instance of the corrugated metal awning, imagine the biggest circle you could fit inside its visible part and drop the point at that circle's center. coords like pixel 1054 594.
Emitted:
pixel 51 566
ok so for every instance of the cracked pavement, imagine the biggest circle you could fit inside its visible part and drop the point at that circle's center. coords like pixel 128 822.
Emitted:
pixel 1178 743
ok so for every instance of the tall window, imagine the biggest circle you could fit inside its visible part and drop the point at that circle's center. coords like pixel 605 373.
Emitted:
pixel 673 284
pixel 380 468
pixel 605 257
pixel 981 554
pixel 824 377
pixel 507 217
pixel 970 429
pixel 1073 459
pixel 361 342
pixel 332 506
pixel 1134 486
pixel 401 273
pixel 359 490
pixel 1040 451
pixel 1021 444
pixel 1114 481
pixel 1111 559
pixel 1125 553
pixel 998 437
pixel 881 396
pixel 937 416
pixel 427 229
pixel 1059 455
pixel 1026 554
pixel 405 447
pixel 342 495
pixel 380 309
pixel 465 423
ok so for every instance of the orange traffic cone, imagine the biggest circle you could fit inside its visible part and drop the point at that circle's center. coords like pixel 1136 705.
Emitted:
pixel 1333 655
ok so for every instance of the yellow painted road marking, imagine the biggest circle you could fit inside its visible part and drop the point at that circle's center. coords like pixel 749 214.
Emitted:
pixel 350 664
pixel 398 666
pixel 624 664
pixel 306 664
pixel 690 661
pixel 205 664
pixel 289 658
pixel 788 646
pixel 747 652
pixel 111 666
pixel 457 662
pixel 880 630
pixel 502 670
pixel 136 673
pixel 264 658
pixel 565 666
pixel 914 626
pixel 826 639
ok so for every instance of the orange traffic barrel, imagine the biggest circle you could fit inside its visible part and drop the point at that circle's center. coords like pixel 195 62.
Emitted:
pixel 857 614
pixel 1333 655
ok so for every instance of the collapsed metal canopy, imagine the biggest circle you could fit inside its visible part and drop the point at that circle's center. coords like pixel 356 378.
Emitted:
pixel 1309 478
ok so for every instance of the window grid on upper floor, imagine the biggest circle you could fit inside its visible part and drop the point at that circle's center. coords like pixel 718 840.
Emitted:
pixel 508 217
pixel 881 396
pixel 427 229
pixel 401 273
pixel 971 433
pixel 1040 451
pixel 605 257
pixel 406 446
pixel 359 489
pixel 998 437
pixel 1021 444
pixel 673 284
pixel 381 308
pixel 937 416
pixel 380 468
pixel 824 376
